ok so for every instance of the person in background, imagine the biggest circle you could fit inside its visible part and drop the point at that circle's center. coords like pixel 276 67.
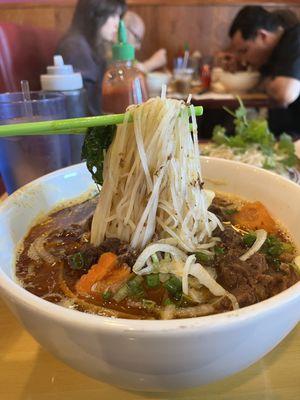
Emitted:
pixel 135 32
pixel 288 19
pixel 270 43
pixel 94 22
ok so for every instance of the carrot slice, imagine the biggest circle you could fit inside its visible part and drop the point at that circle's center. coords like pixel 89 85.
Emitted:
pixel 113 279
pixel 254 216
pixel 106 263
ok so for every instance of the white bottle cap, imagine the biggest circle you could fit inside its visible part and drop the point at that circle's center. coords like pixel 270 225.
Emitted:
pixel 61 77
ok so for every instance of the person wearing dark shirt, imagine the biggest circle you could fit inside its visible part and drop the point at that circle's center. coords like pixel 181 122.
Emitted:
pixel 259 39
pixel 94 22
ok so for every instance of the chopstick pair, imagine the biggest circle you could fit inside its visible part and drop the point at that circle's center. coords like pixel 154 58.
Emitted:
pixel 67 126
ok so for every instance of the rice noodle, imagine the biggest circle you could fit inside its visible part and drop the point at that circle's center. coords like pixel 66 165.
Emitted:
pixel 153 181
pixel 152 249
pixel 203 276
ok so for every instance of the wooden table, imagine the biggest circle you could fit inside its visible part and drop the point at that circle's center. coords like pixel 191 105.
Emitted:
pixel 28 372
pixel 250 100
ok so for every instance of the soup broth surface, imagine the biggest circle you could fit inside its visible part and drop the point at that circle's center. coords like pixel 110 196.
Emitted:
pixel 57 254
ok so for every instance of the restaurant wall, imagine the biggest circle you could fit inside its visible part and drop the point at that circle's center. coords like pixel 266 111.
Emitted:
pixel 169 23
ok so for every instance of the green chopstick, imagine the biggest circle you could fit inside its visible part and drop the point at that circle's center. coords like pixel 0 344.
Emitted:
pixel 67 126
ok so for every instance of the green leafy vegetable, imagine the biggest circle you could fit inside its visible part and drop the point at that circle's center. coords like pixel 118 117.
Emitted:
pixel 256 132
pixel 97 141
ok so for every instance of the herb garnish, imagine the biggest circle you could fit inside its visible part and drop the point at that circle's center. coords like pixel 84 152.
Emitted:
pixel 97 141
pixel 256 132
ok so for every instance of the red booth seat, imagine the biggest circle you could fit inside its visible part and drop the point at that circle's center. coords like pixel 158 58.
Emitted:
pixel 25 52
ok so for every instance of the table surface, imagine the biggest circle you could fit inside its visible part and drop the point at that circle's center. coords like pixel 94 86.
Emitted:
pixel 211 100
pixel 28 372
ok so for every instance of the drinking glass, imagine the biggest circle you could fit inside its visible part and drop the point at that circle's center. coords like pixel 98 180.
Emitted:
pixel 183 79
pixel 24 158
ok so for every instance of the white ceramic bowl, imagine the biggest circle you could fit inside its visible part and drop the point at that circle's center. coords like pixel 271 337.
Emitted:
pixel 155 80
pixel 237 82
pixel 152 355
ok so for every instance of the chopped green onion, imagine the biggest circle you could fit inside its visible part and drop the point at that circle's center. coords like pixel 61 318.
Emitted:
pixel 173 285
pixel 202 257
pixel 135 286
pixel 155 259
pixel 288 247
pixel 148 304
pixel 168 302
pixel 219 250
pixel 121 293
pixel 230 211
pixel 76 261
pixel 275 251
pixel 185 300
pixel 249 239
pixel 107 295
pixel 152 280
pixel 167 257
pixel 163 277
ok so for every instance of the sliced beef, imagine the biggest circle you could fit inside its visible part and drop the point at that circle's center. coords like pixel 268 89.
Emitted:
pixel 253 280
pixel 231 239
pixel 125 253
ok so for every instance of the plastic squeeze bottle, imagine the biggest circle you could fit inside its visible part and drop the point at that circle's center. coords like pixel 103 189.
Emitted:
pixel 123 84
pixel 61 78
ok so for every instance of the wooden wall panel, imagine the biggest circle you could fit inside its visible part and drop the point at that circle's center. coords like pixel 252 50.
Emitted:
pixel 169 23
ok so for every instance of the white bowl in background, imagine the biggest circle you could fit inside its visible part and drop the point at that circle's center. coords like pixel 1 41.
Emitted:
pixel 155 80
pixel 237 82
pixel 152 355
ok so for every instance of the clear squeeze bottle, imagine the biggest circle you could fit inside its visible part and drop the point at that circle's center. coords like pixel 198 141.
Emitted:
pixel 61 78
pixel 123 84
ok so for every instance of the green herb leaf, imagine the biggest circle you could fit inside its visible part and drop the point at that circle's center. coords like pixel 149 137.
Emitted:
pixel 218 135
pixel 97 141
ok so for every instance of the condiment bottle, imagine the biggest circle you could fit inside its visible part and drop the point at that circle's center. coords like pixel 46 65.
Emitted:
pixel 61 78
pixel 123 84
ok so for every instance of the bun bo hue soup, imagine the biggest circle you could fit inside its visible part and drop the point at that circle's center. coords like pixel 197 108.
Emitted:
pixel 155 243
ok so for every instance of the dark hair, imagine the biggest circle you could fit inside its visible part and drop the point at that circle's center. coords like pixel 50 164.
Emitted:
pixel 287 17
pixel 90 15
pixel 252 18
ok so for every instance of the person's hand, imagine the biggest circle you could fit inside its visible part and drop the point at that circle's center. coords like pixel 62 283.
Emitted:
pixel 156 61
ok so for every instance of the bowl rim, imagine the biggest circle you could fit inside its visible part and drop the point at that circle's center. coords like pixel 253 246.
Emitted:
pixel 178 327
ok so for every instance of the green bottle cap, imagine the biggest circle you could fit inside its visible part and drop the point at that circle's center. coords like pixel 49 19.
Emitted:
pixel 123 51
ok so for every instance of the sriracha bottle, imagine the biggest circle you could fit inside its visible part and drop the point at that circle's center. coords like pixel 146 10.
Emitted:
pixel 123 84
